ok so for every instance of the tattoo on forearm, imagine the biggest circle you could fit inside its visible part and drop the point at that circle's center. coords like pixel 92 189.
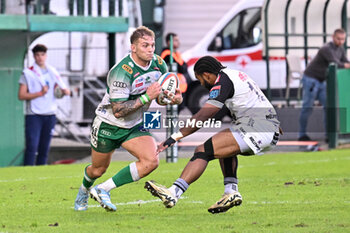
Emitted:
pixel 123 108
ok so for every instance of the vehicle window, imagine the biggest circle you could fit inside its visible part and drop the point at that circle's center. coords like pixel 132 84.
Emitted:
pixel 243 31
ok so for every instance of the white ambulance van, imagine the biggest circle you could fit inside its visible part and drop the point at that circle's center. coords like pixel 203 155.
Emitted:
pixel 237 42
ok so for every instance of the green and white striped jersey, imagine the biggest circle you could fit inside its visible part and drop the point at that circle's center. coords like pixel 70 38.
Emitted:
pixel 128 81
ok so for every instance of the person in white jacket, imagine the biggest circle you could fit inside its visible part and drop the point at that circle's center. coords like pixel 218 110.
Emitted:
pixel 37 88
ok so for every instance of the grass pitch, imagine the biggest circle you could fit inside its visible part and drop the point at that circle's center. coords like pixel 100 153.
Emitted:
pixel 294 192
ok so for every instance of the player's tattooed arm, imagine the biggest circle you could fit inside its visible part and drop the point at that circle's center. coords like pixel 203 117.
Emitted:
pixel 124 108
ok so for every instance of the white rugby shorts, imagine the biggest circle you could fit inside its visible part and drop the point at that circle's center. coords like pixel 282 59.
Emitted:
pixel 255 138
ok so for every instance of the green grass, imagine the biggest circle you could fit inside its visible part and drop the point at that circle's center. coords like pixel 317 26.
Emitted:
pixel 294 192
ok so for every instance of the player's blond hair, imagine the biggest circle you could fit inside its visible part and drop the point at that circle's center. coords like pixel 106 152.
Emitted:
pixel 141 32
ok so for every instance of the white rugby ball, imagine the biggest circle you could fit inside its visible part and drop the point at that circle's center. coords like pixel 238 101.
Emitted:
pixel 168 81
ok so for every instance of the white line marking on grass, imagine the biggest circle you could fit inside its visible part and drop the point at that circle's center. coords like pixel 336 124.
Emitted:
pixel 128 203
pixel 144 202
pixel 4 181
pixel 295 162
pixel 285 202
pixel 39 178
pixel 200 202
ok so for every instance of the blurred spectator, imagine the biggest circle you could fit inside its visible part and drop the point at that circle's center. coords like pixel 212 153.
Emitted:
pixel 38 7
pixel 14 7
pixel 40 84
pixel 181 66
pixel 314 78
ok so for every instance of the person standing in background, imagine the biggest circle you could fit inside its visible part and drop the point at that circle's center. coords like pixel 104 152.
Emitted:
pixel 314 78
pixel 37 85
pixel 181 66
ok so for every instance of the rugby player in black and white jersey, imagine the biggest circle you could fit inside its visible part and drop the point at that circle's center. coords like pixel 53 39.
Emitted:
pixel 254 130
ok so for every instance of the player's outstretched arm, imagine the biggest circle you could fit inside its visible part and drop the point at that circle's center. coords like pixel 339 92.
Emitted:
pixel 206 112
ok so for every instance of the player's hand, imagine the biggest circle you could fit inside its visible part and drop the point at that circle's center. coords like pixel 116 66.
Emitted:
pixel 44 90
pixel 161 148
pixel 154 90
pixel 165 98
pixel 66 91
pixel 167 143
pixel 175 99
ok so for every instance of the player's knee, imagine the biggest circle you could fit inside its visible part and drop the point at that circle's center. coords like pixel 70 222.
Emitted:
pixel 151 163
pixel 204 151
pixel 199 148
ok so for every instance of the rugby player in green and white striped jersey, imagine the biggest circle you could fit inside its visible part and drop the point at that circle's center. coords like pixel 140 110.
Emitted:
pixel 132 85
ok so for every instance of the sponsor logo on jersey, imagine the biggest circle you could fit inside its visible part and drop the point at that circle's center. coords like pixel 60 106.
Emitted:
pixel 251 122
pixel 137 74
pixel 242 130
pixel 156 68
pixel 271 116
pixel 148 80
pixel 127 68
pixel 242 76
pixel 119 84
pixel 214 92
pixel 160 60
pixel 105 132
pixel 131 64
pixel 139 80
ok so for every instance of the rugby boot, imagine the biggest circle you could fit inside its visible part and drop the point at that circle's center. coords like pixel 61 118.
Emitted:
pixel 81 202
pixel 160 191
pixel 226 202
pixel 102 197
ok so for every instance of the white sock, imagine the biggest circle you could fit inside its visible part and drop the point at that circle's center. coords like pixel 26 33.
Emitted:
pixel 231 188
pixel 179 187
pixel 108 185
pixel 133 171
pixel 176 191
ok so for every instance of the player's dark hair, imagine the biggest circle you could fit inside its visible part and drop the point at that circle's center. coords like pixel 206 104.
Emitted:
pixel 208 64
pixel 167 37
pixel 39 48
pixel 141 32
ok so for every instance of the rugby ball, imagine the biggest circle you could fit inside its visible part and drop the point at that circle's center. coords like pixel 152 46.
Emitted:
pixel 168 81
pixel 58 93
